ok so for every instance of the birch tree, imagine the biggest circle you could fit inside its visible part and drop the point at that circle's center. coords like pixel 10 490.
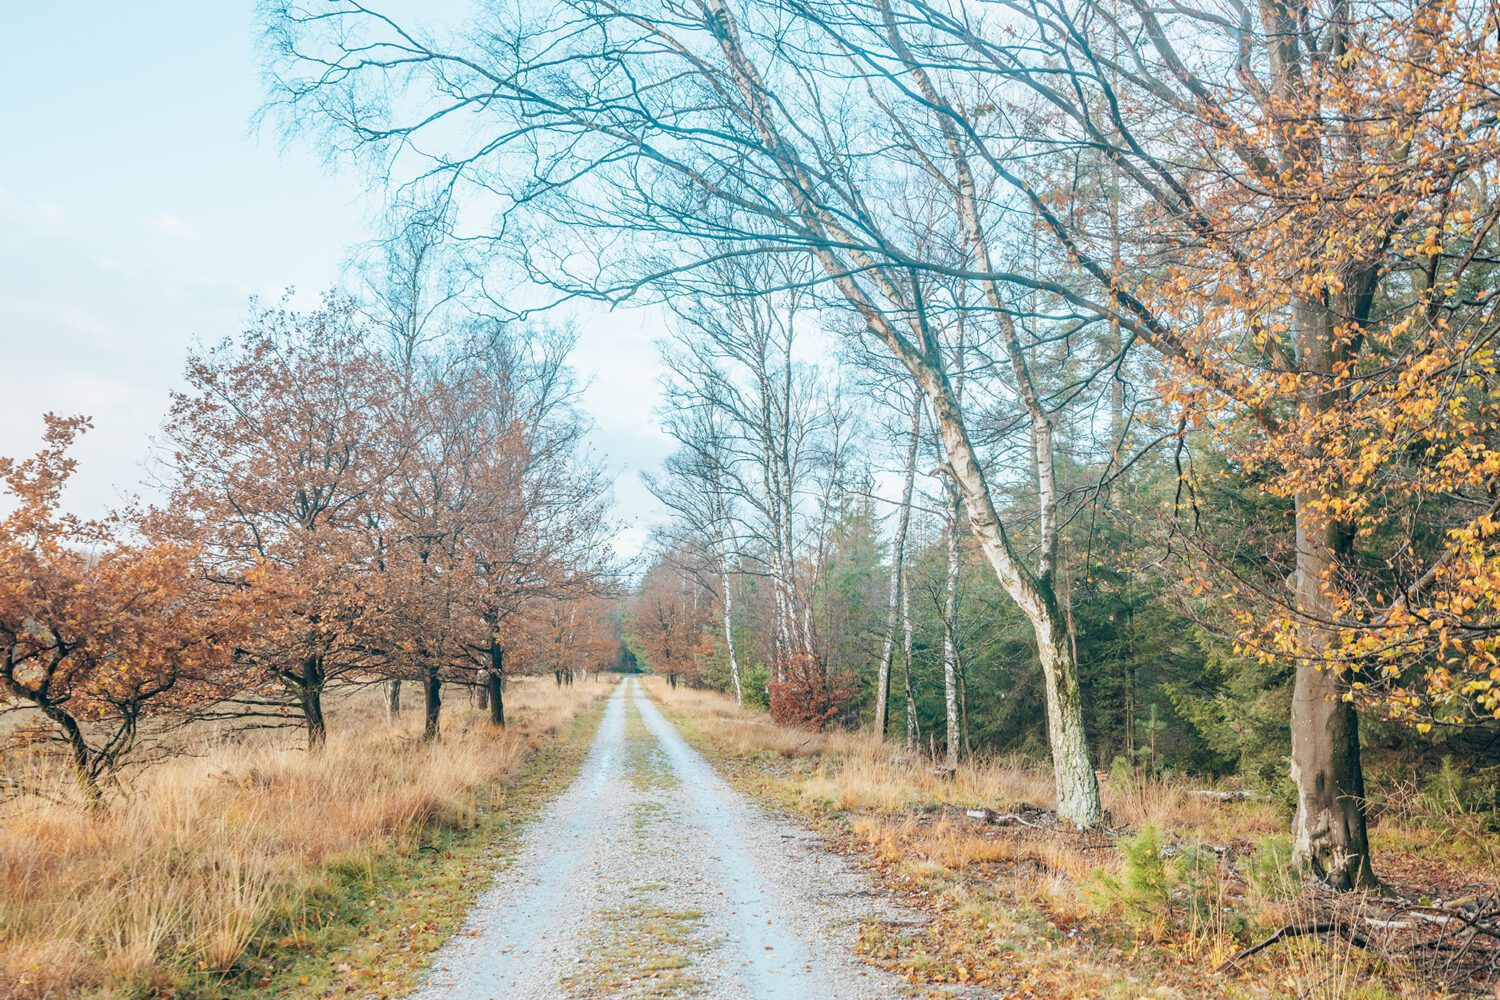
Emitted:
pixel 898 576
pixel 696 488
pixel 795 187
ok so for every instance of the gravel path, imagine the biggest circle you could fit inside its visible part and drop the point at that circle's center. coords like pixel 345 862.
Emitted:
pixel 651 877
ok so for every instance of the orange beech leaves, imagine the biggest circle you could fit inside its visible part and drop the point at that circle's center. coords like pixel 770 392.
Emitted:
pixel 377 514
pixel 664 623
pixel 283 448
pixel 1337 306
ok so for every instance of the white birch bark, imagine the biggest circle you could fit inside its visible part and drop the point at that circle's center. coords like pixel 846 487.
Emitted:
pixel 950 632
pixel 1076 785
pixel 906 644
pixel 898 557
pixel 734 663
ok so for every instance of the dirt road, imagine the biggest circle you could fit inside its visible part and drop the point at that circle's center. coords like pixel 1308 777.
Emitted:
pixel 651 877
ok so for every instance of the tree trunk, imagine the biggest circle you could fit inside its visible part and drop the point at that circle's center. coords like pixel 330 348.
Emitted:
pixel 912 729
pixel 963 709
pixel 494 683
pixel 950 633
pixel 310 695
pixel 392 700
pixel 84 771
pixel 1329 835
pixel 734 663
pixel 898 557
pixel 432 690
pixel 1072 767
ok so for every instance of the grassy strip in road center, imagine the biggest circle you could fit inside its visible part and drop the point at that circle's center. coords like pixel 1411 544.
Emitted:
pixel 642 948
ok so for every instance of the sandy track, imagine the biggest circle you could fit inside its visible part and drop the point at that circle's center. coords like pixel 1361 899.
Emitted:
pixel 651 877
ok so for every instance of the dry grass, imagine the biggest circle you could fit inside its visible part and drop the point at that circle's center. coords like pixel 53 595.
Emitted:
pixel 183 872
pixel 1049 912
pixel 853 770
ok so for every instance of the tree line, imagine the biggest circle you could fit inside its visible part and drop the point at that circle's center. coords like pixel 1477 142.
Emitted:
pixel 343 500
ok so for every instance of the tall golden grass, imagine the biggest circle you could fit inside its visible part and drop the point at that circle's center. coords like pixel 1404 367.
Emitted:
pixel 989 883
pixel 857 771
pixel 181 871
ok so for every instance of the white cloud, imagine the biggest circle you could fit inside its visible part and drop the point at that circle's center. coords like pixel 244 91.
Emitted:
pixel 170 225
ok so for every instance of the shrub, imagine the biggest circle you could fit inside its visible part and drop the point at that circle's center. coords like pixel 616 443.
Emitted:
pixel 1269 870
pixel 808 694
pixel 1158 883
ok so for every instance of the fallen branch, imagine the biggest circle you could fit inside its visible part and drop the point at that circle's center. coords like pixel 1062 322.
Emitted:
pixel 1299 930
pixel 1002 819
pixel 1439 915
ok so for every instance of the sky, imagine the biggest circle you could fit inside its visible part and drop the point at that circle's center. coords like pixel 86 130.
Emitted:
pixel 140 211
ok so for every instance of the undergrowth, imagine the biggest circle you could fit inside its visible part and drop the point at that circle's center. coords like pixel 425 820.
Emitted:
pixel 1152 907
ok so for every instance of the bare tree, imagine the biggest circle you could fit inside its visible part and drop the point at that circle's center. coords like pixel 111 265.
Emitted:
pixel 728 143
pixel 696 488
pixel 735 358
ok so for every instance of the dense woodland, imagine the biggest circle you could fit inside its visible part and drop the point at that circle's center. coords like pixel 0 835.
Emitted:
pixel 1108 383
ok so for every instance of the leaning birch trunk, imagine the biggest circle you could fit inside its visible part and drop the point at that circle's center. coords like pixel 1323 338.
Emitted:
pixel 950 633
pixel 898 556
pixel 1077 787
pixel 1072 769
pixel 916 349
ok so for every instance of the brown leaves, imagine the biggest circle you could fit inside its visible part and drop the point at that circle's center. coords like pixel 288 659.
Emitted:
pixel 99 633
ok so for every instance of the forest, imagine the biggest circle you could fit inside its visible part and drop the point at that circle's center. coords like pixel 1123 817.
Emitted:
pixel 1084 419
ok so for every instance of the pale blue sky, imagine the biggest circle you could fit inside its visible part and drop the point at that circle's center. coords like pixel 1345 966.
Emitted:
pixel 139 212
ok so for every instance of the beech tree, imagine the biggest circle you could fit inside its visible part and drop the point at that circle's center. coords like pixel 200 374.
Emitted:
pixel 281 451
pixel 546 534
pixel 664 623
